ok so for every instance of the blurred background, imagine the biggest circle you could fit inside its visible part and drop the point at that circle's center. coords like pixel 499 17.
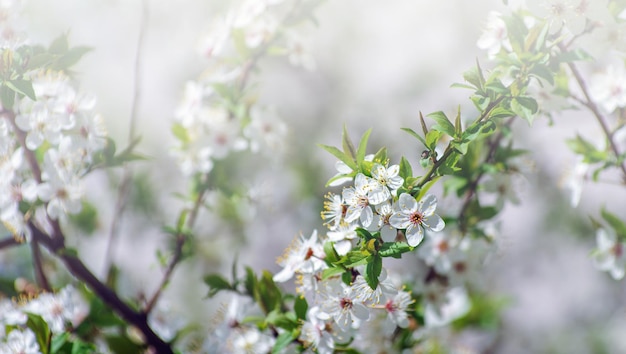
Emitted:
pixel 377 67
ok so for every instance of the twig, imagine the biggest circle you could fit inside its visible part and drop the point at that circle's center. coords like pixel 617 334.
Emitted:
pixel 127 174
pixel 82 273
pixel 591 105
pixel 40 274
pixel 9 241
pixel 471 191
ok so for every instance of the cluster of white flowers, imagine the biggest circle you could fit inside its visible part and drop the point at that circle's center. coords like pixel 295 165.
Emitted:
pixel 63 310
pixel 211 122
pixel 62 128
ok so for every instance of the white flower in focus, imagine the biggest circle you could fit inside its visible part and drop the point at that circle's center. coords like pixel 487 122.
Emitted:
pixel 342 237
pixel 340 303
pixel 334 211
pixel 416 216
pixel 304 255
pixel 608 88
pixel 494 36
pixel 387 177
pixel 384 212
pixel 358 199
pixel 369 296
pixel 609 254
pixel 20 342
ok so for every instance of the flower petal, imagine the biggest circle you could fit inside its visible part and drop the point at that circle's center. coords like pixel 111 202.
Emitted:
pixel 414 235
pixel 434 222
pixel 428 204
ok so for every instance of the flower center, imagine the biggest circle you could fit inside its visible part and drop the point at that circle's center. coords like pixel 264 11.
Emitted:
pixel 362 201
pixel 416 218
pixel 345 303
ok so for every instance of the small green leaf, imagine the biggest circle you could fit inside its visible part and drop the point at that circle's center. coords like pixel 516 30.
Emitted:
pixel 340 155
pixel 216 284
pixel 372 272
pixel 60 45
pixel 329 272
pixel 406 170
pixel 360 155
pixel 442 123
pixel 283 340
pixel 426 187
pixel 346 143
pixel 37 324
pixel 432 138
pixel 180 132
pixel 23 87
pixel 616 223
pixel 394 249
pixel 7 97
pixel 300 307
pixel 524 106
pixel 415 135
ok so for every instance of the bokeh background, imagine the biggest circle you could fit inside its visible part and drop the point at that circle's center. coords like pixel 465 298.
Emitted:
pixel 378 65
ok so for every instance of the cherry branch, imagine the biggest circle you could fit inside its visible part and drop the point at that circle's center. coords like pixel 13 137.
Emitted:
pixel 108 296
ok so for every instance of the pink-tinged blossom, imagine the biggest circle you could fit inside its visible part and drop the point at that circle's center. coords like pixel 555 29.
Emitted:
pixel 388 178
pixel 315 333
pixel 60 310
pixel 416 216
pixel 384 212
pixel 365 294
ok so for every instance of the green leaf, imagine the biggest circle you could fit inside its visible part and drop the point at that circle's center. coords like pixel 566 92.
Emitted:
pixel 70 58
pixel 180 132
pixel 60 45
pixel 216 284
pixel 37 324
pixel 426 187
pixel 360 155
pixel 58 342
pixel 394 249
pixel 616 223
pixel 363 234
pixel 406 170
pixel 87 219
pixel 300 307
pixel 372 272
pixel 355 258
pixel 415 135
pixel 23 87
pixel 381 156
pixel 442 123
pixel 283 340
pixel 586 149
pixel 524 106
pixel 346 143
pixel 573 55
pixel 7 97
pixel 329 272
pixel 432 138
pixel 331 254
pixel 544 72
pixel 340 155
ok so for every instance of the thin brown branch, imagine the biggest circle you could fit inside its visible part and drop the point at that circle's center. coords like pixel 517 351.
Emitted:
pixel 8 242
pixel 127 174
pixel 471 190
pixel 82 273
pixel 40 274
pixel 593 107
